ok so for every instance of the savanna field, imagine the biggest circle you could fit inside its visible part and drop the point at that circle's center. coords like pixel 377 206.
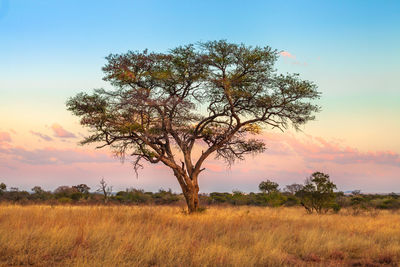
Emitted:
pixel 221 236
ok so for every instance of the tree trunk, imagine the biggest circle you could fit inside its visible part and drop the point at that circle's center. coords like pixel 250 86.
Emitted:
pixel 190 189
pixel 192 200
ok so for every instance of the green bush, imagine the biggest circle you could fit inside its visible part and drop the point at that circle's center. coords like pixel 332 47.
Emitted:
pixel 317 194
pixel 275 199
pixel 165 197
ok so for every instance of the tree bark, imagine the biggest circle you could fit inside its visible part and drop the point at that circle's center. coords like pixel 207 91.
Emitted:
pixel 192 200
pixel 190 189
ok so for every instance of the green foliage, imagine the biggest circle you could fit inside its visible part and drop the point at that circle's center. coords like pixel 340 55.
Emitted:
pixel 268 187
pixel 165 197
pixel 3 187
pixel 335 207
pixel 293 188
pixel 389 203
pixel 14 195
pixel 317 194
pixel 217 197
pixel 239 198
pixel 82 188
pixel 133 196
pixel 40 194
pixel 291 200
pixel 68 192
pixel 37 190
pixel 275 199
pixel 158 99
pixel 136 196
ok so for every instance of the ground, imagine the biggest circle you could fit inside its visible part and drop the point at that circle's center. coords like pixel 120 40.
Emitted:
pixel 220 236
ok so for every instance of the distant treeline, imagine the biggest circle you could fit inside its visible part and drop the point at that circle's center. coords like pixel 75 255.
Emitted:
pixel 270 196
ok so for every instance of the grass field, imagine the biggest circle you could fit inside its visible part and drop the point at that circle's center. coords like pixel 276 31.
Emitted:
pixel 164 236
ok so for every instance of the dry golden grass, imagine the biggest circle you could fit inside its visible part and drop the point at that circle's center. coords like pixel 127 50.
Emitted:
pixel 164 236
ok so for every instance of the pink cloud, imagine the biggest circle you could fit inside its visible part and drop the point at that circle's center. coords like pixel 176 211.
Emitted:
pixel 317 149
pixel 59 131
pixel 5 137
pixel 45 137
pixel 289 158
pixel 52 156
pixel 287 54
pixel 292 58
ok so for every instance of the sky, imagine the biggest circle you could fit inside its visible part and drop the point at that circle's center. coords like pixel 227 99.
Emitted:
pixel 51 50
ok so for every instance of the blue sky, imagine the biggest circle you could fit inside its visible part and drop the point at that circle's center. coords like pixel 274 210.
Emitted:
pixel 50 50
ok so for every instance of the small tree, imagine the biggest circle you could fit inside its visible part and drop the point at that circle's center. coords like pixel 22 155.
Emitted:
pixel 37 190
pixel 3 188
pixel 268 187
pixel 215 94
pixel 293 188
pixel 39 193
pixel 105 189
pixel 359 204
pixel 317 193
pixel 83 189
pixel 64 191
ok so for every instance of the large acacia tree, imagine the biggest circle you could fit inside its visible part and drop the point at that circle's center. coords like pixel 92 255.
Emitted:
pixel 214 95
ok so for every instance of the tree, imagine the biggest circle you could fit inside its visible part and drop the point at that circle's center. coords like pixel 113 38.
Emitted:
pixel 3 187
pixel 83 188
pixel 65 191
pixel 105 189
pixel 317 193
pixel 215 94
pixel 37 190
pixel 82 191
pixel 293 188
pixel 268 187
pixel 39 193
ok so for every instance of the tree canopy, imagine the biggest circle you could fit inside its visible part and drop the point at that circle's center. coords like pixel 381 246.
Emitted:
pixel 215 94
pixel 317 193
pixel 268 186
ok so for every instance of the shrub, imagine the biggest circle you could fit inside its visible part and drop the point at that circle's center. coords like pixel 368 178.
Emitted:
pixel 239 198
pixel 275 199
pixel 317 194
pixel 217 197
pixel 64 191
pixel 358 204
pixel 133 196
pixel 291 201
pixel 165 197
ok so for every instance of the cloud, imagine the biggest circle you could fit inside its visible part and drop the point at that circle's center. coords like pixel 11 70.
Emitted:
pixel 289 158
pixel 59 131
pixel 42 136
pixel 317 149
pixel 53 156
pixel 290 58
pixel 5 137
pixel 287 54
